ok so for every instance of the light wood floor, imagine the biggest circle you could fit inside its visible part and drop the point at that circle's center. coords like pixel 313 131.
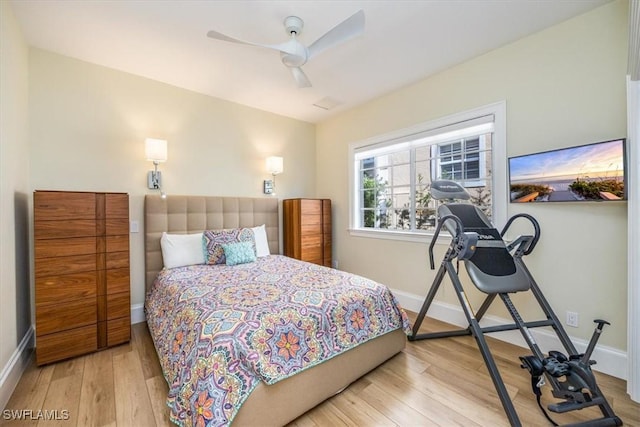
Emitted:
pixel 431 383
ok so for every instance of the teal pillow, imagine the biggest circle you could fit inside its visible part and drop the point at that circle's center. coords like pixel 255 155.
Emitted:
pixel 239 253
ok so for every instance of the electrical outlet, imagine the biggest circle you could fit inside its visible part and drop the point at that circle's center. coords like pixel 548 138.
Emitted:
pixel 572 319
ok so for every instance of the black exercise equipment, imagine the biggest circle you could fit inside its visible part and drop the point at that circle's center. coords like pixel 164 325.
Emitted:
pixel 497 269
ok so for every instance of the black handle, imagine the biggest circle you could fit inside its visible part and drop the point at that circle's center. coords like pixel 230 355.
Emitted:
pixel 536 228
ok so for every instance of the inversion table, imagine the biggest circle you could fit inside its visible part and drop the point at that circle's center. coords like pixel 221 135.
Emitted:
pixel 497 269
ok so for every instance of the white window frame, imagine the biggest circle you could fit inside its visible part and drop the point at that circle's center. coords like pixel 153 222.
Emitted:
pixel 499 165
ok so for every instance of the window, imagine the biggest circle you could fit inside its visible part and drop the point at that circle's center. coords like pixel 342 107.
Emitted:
pixel 392 174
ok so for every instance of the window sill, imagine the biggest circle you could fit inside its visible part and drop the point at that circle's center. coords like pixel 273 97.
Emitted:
pixel 406 236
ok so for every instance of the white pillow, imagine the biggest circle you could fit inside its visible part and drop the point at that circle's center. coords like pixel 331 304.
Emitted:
pixel 262 244
pixel 179 250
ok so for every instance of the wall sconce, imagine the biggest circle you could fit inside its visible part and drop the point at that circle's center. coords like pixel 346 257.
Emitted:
pixel 275 165
pixel 156 152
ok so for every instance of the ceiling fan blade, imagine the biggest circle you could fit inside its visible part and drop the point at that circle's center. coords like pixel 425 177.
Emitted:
pixel 347 29
pixel 301 78
pixel 286 47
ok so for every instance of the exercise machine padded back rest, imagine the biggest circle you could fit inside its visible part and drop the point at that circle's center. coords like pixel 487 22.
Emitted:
pixel 491 267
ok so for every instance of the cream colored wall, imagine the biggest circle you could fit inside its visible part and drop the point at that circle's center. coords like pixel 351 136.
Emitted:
pixel 563 86
pixel 14 190
pixel 87 129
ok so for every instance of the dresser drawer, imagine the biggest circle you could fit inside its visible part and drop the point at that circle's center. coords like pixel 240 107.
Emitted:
pixel 118 305
pixel 118 243
pixel 117 226
pixel 65 265
pixel 64 229
pixel 65 315
pixel 118 331
pixel 62 345
pixel 310 229
pixel 117 206
pixel 118 280
pixel 311 220
pixel 59 205
pixel 60 289
pixel 310 207
pixel 312 253
pixel 311 241
pixel 117 260
pixel 65 247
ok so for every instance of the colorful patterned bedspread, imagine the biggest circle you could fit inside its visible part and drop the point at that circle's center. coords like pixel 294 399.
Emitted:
pixel 220 330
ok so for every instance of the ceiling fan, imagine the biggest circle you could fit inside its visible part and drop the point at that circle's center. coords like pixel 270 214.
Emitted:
pixel 294 54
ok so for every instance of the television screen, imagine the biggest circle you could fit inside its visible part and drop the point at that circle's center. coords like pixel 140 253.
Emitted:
pixel 592 172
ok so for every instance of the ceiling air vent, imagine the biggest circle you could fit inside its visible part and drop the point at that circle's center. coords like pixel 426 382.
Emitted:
pixel 327 103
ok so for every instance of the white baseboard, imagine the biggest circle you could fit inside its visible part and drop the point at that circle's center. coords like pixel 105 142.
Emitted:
pixel 14 368
pixel 137 313
pixel 611 361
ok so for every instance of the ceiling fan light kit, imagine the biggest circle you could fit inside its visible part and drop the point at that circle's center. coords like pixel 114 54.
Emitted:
pixel 294 54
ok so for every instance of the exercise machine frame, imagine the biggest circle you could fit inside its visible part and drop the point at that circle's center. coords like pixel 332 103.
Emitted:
pixel 462 245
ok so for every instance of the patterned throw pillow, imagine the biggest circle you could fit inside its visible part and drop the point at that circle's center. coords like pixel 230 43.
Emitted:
pixel 239 253
pixel 212 241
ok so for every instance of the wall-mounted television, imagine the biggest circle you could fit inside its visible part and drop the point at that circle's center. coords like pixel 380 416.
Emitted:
pixel 591 172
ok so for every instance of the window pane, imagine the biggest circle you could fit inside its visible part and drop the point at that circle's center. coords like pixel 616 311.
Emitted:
pixel 401 157
pixel 369 199
pixel 423 172
pixel 367 164
pixel 401 175
pixel 401 196
pixel 481 195
pixel 472 144
pixel 423 153
pixel 472 170
pixel 451 171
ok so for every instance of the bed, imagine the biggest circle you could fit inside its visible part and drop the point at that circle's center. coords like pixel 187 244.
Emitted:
pixel 275 374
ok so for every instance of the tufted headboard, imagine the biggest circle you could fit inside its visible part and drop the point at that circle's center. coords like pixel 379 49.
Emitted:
pixel 192 214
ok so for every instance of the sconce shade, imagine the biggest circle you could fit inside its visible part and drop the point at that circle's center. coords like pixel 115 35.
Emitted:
pixel 155 150
pixel 275 165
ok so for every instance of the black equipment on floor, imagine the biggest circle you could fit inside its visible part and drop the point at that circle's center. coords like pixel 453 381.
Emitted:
pixel 497 269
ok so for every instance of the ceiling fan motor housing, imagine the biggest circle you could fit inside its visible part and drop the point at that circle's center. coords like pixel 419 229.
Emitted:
pixel 293 24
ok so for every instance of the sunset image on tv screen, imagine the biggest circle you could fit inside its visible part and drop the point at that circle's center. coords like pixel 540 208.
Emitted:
pixel 593 172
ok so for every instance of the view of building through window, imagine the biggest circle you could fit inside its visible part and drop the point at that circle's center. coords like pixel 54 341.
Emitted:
pixel 394 184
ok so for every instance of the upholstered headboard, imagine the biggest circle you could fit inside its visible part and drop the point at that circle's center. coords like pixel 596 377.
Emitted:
pixel 192 214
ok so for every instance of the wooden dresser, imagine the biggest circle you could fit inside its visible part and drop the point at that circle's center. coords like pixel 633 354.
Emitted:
pixel 81 251
pixel 307 230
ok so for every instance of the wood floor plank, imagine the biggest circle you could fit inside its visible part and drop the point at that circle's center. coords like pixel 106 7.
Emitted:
pixel 97 395
pixel 392 407
pixel 147 351
pixel 327 414
pixel 360 411
pixel 303 421
pixel 62 401
pixel 68 368
pixel 158 390
pixel 133 404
